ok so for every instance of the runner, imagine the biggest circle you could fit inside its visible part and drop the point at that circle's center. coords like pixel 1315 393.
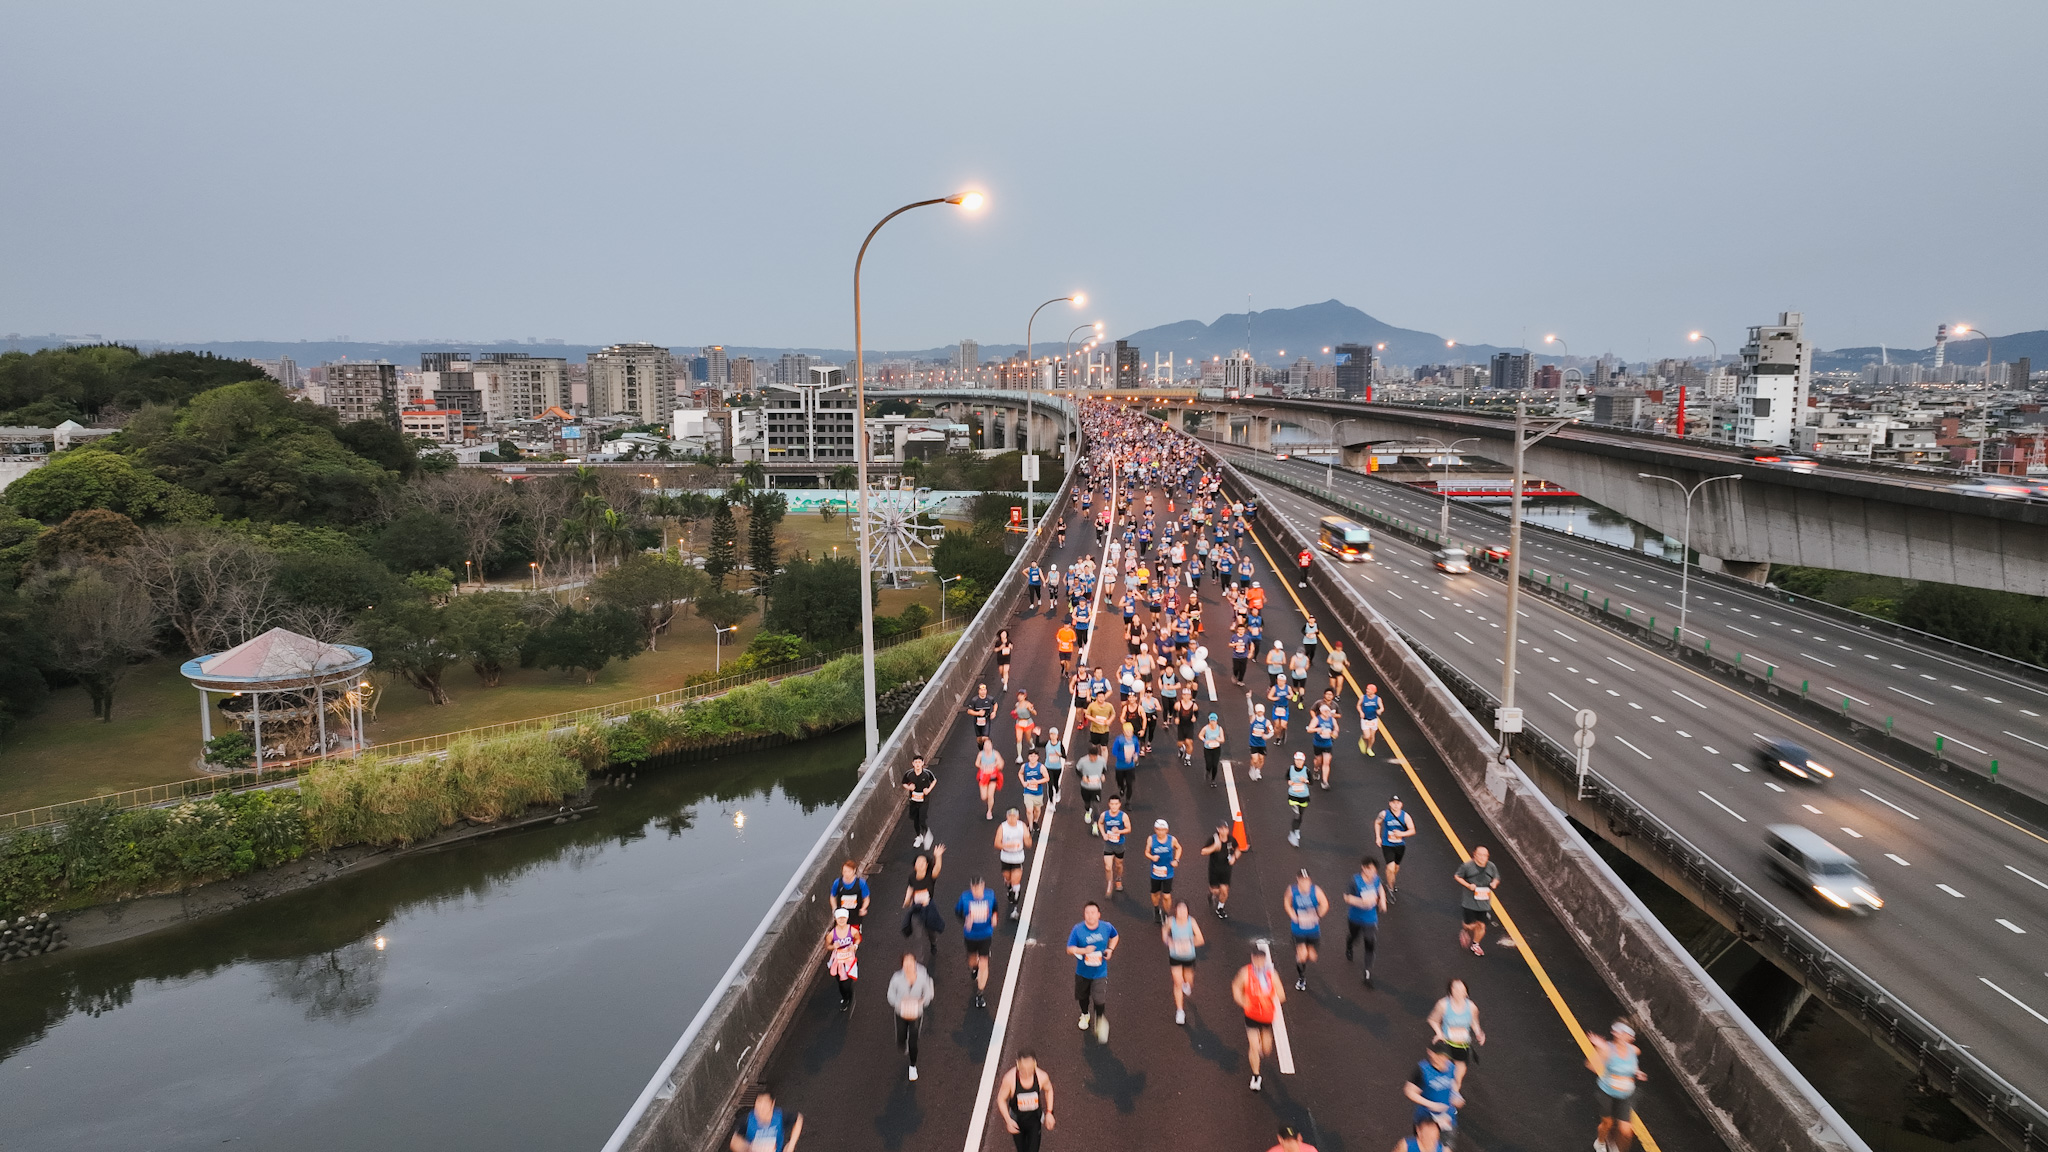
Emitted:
pixel 1212 748
pixel 1012 838
pixel 1101 713
pixel 1278 711
pixel 1618 1062
pixel 1059 532
pixel 1034 580
pixel 988 775
pixel 1032 777
pixel 1024 1099
pixel 1182 936
pixel 1322 732
pixel 917 898
pixel 764 1129
pixel 976 909
pixel 850 894
pixel 1276 666
pixel 842 955
pixel 1392 828
pixel 1185 712
pixel 1455 1020
pixel 1311 637
pixel 1065 638
pixel 1258 992
pixel 1025 717
pixel 1260 728
pixel 1003 649
pixel 1290 1140
pixel 1115 825
pixel 1240 653
pixel 981 705
pixel 1124 751
pixel 910 993
pixel 1297 794
pixel 1366 900
pixel 1222 853
pixel 1306 906
pixel 1479 878
pixel 1369 706
pixel 1339 663
pixel 919 782
pixel 1090 769
pixel 1434 1087
pixel 1162 851
pixel 1427 1137
pixel 1091 943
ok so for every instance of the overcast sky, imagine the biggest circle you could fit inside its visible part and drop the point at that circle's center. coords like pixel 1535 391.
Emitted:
pixel 692 172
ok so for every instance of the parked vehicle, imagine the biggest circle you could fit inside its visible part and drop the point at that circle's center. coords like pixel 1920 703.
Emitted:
pixel 1818 870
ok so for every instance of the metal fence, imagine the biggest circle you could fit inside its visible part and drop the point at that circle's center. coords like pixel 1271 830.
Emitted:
pixel 199 786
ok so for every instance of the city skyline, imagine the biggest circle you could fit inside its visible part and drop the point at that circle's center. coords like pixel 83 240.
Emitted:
pixel 1628 221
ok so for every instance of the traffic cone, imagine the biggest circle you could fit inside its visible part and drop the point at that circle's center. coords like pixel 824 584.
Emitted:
pixel 1237 831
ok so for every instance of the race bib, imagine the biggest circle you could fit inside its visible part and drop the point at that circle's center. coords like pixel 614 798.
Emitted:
pixel 1482 894
pixel 849 901
pixel 1092 958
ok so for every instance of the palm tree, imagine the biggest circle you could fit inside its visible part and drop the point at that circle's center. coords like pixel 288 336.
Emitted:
pixel 581 528
pixel 584 480
pixel 844 476
pixel 753 475
pixel 664 508
pixel 614 536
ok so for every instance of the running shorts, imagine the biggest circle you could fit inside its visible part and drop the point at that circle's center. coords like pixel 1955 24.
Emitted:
pixel 1311 936
pixel 1116 850
pixel 1262 1027
pixel 1620 1109
pixel 1394 852
pixel 1162 884
pixel 979 947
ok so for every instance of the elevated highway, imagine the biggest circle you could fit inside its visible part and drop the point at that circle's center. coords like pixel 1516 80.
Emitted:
pixel 1886 522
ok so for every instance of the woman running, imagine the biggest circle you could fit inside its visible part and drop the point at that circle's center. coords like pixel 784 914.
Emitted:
pixel 1222 853
pixel 1003 649
pixel 1025 714
pixel 1182 936
pixel 917 897
pixel 1013 836
pixel 842 955
pixel 988 775
pixel 1297 794
pixel 1455 1020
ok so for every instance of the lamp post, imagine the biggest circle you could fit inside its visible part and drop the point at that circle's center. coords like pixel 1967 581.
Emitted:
pixel 943 581
pixel 1685 544
pixel 1966 330
pixel 718 647
pixel 1030 388
pixel 1696 337
pixel 1508 718
pixel 969 201
pixel 1443 486
pixel 533 574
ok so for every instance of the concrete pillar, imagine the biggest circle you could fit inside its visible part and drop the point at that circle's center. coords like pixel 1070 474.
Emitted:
pixel 1754 571
pixel 1261 432
pixel 205 718
pixel 1358 459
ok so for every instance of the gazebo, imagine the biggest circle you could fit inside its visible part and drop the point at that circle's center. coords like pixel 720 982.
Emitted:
pixel 286 683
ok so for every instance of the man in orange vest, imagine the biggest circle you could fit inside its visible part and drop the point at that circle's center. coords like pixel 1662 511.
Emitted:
pixel 1256 598
pixel 1257 990
pixel 1066 638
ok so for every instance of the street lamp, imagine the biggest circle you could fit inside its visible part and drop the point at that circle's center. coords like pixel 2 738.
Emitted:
pixel 718 647
pixel 1443 486
pixel 969 201
pixel 1030 388
pixel 1508 718
pixel 533 574
pixel 943 581
pixel 1685 544
pixel 1696 337
pixel 1966 330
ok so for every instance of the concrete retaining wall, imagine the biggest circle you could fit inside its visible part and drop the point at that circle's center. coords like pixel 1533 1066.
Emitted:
pixel 1755 1099
pixel 692 1100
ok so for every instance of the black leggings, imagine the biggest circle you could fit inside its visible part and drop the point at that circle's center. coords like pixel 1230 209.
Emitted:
pixel 920 818
pixel 845 990
pixel 1030 1130
pixel 1124 777
pixel 1369 934
pixel 906 1037
pixel 1212 759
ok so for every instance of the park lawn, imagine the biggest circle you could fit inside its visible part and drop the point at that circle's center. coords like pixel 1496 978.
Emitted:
pixel 62 753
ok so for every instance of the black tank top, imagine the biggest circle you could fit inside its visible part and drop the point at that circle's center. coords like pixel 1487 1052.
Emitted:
pixel 1027 1097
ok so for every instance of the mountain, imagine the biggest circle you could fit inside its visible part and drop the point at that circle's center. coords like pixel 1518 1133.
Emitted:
pixel 1968 350
pixel 1280 335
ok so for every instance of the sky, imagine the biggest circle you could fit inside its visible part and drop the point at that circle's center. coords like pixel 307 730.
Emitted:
pixel 1618 173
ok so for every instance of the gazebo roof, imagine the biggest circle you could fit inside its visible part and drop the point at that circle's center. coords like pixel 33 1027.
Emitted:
pixel 277 657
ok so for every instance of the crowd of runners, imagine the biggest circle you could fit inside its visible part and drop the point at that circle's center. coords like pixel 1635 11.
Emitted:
pixel 1137 690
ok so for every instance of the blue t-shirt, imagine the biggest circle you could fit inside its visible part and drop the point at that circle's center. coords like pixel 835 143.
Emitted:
pixel 1094 939
pixel 1125 751
pixel 1438 1085
pixel 1322 730
pixel 1371 892
pixel 772 1131
pixel 977 913
pixel 1160 852
pixel 849 896
pixel 1114 825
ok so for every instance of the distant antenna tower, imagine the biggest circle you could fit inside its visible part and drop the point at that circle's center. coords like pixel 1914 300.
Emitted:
pixel 1940 343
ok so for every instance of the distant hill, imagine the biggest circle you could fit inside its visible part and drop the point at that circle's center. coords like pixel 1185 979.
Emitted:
pixel 1968 350
pixel 1280 335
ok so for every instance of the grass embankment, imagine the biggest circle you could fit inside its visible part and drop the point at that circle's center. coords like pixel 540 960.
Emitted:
pixel 100 855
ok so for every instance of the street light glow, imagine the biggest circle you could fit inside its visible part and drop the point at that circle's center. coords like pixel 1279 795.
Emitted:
pixel 1552 339
pixel 968 200
pixel 1078 299
pixel 1694 337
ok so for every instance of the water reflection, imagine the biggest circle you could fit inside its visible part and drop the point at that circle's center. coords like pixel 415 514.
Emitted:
pixel 527 986
pixel 1581 517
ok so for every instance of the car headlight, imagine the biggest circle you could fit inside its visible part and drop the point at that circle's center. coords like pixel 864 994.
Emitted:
pixel 1869 897
pixel 1819 769
pixel 1794 769
pixel 1837 901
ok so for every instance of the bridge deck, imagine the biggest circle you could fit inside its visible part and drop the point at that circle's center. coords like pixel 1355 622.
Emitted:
pixel 1155 1084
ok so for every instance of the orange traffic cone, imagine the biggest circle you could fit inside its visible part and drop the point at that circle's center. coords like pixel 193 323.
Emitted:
pixel 1237 832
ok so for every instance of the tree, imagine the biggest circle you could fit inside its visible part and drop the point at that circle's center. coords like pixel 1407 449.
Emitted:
pixel 764 511
pixel 18 535
pixel 98 619
pixel 543 505
pixel 478 505
pixel 257 454
pixel 818 600
pixel 94 477
pixel 93 534
pixel 752 474
pixel 412 636
pixel 378 441
pixel 616 536
pixel 724 608
pixel 650 586
pixel 231 752
pixel 844 477
pixel 419 539
pixel 585 641
pixel 212 585
pixel 24 652
pixel 720 554
pixel 489 629
pixel 55 384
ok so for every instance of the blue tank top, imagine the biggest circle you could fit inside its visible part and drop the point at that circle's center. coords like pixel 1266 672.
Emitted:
pixel 1297 781
pixel 1392 824
pixel 1304 905
pixel 1369 890
pixel 1438 1083
pixel 1160 852
pixel 1457 1022
pixel 1618 1074
pixel 1180 940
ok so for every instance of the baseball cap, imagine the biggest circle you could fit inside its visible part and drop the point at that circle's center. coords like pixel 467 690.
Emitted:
pixel 839 913
pixel 1159 823
pixel 1212 715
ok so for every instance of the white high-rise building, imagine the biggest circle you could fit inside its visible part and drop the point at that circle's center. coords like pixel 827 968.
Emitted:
pixel 967 357
pixel 1770 396
pixel 637 380
pixel 810 421
pixel 792 368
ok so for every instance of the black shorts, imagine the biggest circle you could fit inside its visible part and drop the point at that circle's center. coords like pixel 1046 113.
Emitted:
pixel 1263 1027
pixel 1620 1109
pixel 1162 884
pixel 980 947
pixel 1097 739
pixel 1475 915
pixel 1116 850
pixel 1218 876
pixel 1394 852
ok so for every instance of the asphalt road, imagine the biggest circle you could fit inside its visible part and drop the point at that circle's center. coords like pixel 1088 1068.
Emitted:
pixel 1961 938
pixel 1156 1084
pixel 1926 692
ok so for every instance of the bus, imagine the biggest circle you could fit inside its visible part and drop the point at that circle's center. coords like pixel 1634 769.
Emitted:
pixel 1344 539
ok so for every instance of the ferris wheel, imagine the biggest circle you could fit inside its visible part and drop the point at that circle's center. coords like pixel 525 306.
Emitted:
pixel 900 538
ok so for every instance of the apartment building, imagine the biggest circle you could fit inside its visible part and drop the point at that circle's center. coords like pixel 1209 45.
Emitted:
pixel 637 380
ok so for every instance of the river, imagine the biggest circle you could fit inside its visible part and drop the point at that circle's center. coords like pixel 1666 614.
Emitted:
pixel 511 993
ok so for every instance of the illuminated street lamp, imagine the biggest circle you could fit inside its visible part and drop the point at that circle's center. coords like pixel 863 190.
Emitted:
pixel 1695 337
pixel 943 581
pixel 1030 389
pixel 969 201
pixel 1508 718
pixel 1685 544
pixel 1966 330
pixel 1444 486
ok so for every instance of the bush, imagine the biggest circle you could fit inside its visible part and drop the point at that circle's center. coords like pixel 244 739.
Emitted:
pixel 372 800
pixel 233 752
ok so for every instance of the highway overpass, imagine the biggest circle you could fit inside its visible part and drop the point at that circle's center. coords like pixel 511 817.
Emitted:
pixel 1886 522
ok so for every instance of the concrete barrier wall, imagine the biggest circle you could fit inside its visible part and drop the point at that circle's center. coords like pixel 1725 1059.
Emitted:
pixel 692 1100
pixel 1752 1095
